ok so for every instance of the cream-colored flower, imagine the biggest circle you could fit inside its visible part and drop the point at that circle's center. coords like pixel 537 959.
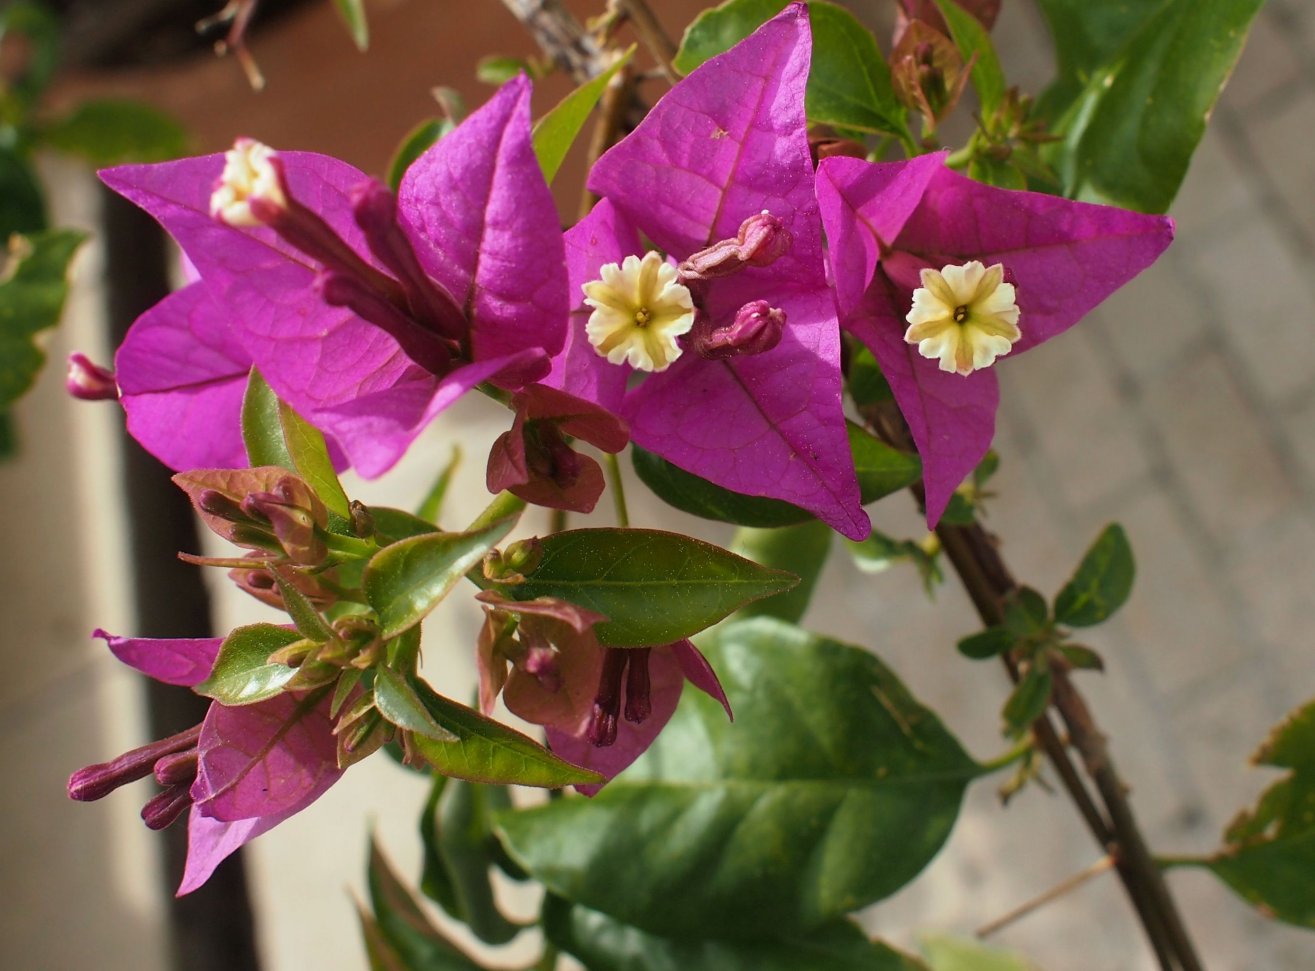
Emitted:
pixel 964 315
pixel 639 311
pixel 248 174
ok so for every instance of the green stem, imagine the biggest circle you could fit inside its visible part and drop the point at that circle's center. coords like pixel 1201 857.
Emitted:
pixel 618 490
pixel 1014 754
pixel 350 547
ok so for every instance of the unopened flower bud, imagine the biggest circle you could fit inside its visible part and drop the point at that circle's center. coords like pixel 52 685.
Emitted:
pixel 757 328
pixel 523 556
pixel 252 190
pixel 177 769
pixel 639 701
pixel 549 456
pixel 762 240
pixel 362 521
pixel 167 806
pixel 98 781
pixel 89 381
pixel 215 503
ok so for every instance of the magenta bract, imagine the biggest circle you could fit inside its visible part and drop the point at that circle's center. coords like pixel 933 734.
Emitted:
pixel 887 221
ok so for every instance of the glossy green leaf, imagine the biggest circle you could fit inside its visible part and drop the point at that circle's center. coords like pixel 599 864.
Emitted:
pixel 881 470
pixel 945 953
pixel 973 41
pixel 407 933
pixel 397 700
pixel 310 458
pixel 113 131
pixel 654 587
pixel 305 615
pixel 1269 854
pixel 849 82
pixel 988 643
pixel 801 550
pixel 391 525
pixel 461 834
pixel 436 881
pixel 488 751
pixel 1128 136
pixel 603 943
pixel 1028 701
pixel 556 131
pixel 1102 582
pixel 35 283
pixel 262 426
pixel 408 579
pixel 832 789
pixel 416 142
pixel 865 382
pixel 242 674
pixel 22 203
pixel 353 15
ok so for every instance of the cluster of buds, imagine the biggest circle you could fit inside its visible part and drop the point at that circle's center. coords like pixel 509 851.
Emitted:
pixel 928 73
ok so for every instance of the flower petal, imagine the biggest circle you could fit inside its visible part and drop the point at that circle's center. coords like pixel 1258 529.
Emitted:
pixel 182 373
pixel 264 759
pixel 484 224
pixel 182 661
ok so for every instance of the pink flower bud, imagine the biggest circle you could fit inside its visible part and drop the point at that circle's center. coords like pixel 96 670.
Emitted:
pixel 89 381
pixel 757 328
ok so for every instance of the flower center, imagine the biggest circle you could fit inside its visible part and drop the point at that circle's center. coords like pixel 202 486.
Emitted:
pixel 963 316
pixel 640 309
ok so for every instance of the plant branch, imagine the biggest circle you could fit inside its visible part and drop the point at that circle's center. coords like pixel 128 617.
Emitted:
pixel 651 32
pixel 978 562
pixel 561 37
pixel 976 558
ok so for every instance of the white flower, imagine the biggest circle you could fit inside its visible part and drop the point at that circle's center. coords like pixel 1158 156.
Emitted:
pixel 964 315
pixel 639 311
pixel 249 175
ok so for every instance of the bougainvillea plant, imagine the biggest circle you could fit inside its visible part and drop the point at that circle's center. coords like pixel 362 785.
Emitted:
pixel 787 304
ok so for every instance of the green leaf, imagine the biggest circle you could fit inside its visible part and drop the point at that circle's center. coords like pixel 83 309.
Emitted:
pixel 556 131
pixel 997 172
pixel 603 943
pixel 242 674
pixel 1129 134
pixel 415 144
pixel 399 703
pixel 1269 854
pixel 262 426
pixel 406 580
pixel 801 550
pixel 849 82
pixel 833 789
pixel 1026 612
pixel 654 587
pixel 391 525
pixel 310 459
pixel 972 40
pixel 113 131
pixel 882 470
pixel 22 203
pixel 303 613
pixel 410 936
pixel 1102 582
pixel 32 291
pixel 1029 700
pixel 461 834
pixel 488 751
pixel 436 882
pixel 499 69
pixel 353 15
pixel 945 953
pixel 988 643
pixel 867 385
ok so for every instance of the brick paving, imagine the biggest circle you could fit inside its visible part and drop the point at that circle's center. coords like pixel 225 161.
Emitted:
pixel 1184 408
